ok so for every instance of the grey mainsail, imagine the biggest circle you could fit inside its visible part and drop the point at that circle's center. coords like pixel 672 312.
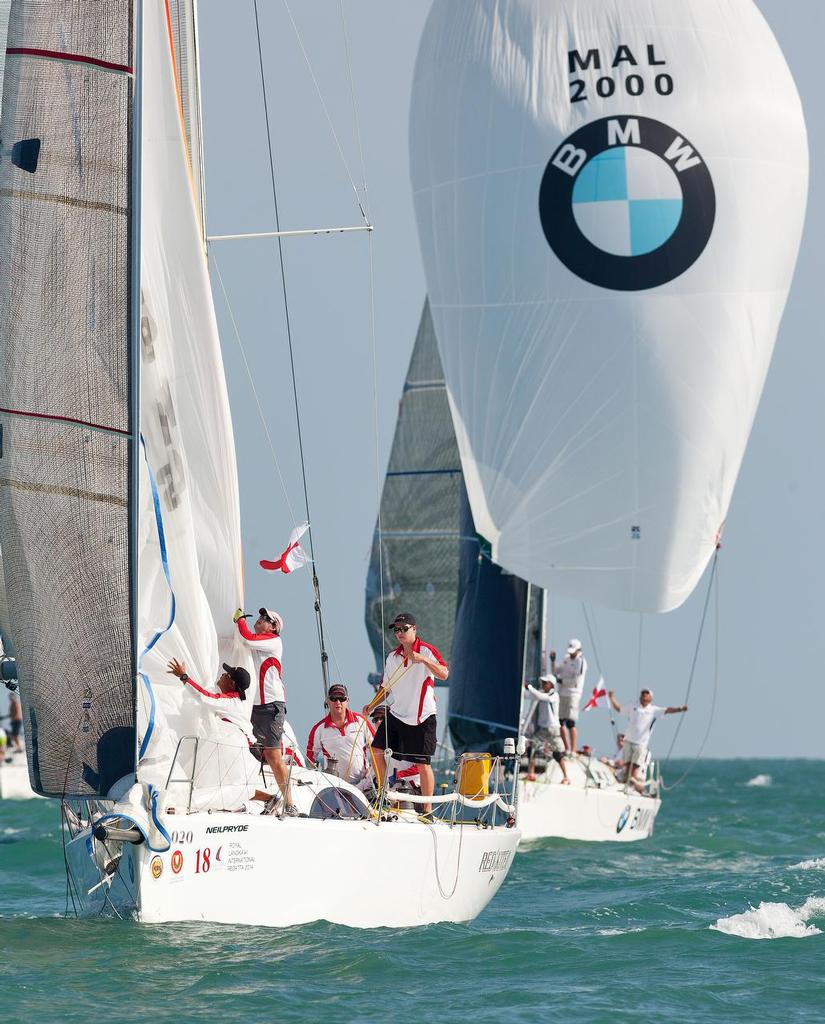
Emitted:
pixel 420 510
pixel 66 507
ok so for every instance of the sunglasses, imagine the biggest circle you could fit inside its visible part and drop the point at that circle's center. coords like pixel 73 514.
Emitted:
pixel 401 629
pixel 338 700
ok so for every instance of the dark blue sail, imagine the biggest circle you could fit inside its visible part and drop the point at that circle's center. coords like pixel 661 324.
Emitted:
pixel 488 647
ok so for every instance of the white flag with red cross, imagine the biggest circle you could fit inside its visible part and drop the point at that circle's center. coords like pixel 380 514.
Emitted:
pixel 294 556
pixel 598 698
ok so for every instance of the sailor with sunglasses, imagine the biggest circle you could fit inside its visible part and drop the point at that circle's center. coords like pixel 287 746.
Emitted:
pixel 408 686
pixel 343 736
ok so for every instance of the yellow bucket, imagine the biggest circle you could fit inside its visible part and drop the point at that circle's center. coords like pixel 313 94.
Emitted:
pixel 474 775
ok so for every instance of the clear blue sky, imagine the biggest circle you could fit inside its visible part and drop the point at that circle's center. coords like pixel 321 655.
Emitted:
pixel 771 565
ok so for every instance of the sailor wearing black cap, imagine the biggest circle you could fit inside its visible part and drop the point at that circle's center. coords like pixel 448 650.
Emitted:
pixel 228 701
pixel 410 729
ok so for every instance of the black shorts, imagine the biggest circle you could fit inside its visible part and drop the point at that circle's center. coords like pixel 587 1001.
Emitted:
pixel 268 724
pixel 14 728
pixel 414 743
pixel 569 723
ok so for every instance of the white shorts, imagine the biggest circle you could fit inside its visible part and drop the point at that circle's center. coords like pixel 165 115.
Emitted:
pixel 634 753
pixel 550 739
pixel 569 707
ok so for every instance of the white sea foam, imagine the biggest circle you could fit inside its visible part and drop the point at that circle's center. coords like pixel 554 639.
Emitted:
pixel 774 921
pixel 760 780
pixel 618 931
pixel 817 864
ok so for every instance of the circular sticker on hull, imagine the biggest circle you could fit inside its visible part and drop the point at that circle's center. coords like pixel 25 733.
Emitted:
pixel 156 867
pixel 177 862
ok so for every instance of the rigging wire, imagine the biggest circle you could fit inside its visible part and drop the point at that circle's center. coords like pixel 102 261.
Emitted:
pixel 261 416
pixel 323 105
pixel 639 652
pixel 713 588
pixel 269 441
pixel 319 619
pixel 591 633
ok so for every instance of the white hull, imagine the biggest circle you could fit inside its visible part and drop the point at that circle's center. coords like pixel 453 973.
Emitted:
pixel 281 872
pixel 584 810
pixel 14 780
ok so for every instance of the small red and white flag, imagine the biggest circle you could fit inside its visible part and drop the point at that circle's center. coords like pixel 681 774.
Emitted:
pixel 294 556
pixel 599 697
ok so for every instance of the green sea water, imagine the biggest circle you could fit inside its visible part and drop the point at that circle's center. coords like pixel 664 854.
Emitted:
pixel 579 932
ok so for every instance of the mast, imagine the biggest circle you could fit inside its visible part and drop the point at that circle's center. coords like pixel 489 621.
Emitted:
pixel 134 325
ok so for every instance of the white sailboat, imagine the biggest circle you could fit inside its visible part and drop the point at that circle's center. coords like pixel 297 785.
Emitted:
pixel 608 248
pixel 119 515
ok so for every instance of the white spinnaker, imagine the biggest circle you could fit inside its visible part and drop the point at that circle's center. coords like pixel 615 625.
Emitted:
pixel 601 430
pixel 189 446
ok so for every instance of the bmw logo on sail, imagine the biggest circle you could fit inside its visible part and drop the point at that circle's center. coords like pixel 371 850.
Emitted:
pixel 627 203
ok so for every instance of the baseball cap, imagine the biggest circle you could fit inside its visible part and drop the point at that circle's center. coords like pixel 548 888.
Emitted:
pixel 273 617
pixel 548 678
pixel 574 645
pixel 240 677
pixel 402 619
pixel 338 690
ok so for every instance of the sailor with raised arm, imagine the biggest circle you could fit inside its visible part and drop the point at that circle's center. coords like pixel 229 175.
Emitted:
pixel 546 729
pixel 570 677
pixel 232 687
pixel 410 728
pixel 641 719
pixel 269 710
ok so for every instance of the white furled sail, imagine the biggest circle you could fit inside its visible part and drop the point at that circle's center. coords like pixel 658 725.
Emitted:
pixel 610 197
pixel 190 547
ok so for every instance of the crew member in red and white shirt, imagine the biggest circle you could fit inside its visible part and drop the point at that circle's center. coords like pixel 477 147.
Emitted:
pixel 232 687
pixel 410 729
pixel 344 736
pixel 269 710
pixel 227 703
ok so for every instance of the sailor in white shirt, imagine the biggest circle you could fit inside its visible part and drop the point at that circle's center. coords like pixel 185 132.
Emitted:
pixel 343 736
pixel 544 717
pixel 409 729
pixel 641 719
pixel 570 677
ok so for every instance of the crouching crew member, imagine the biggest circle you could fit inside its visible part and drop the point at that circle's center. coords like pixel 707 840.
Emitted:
pixel 410 729
pixel 343 736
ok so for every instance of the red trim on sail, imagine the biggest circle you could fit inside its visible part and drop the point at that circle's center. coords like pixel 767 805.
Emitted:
pixel 79 58
pixel 65 419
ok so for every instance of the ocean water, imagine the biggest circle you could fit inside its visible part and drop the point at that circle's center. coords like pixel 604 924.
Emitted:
pixel 719 917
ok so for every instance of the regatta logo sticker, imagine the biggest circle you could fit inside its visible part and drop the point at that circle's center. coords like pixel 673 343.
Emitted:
pixel 156 867
pixel 177 862
pixel 627 203
pixel 620 824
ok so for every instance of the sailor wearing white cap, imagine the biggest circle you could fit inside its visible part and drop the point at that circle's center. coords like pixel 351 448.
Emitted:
pixel 269 711
pixel 570 676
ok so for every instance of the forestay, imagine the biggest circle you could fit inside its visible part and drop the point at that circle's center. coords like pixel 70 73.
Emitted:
pixel 609 195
